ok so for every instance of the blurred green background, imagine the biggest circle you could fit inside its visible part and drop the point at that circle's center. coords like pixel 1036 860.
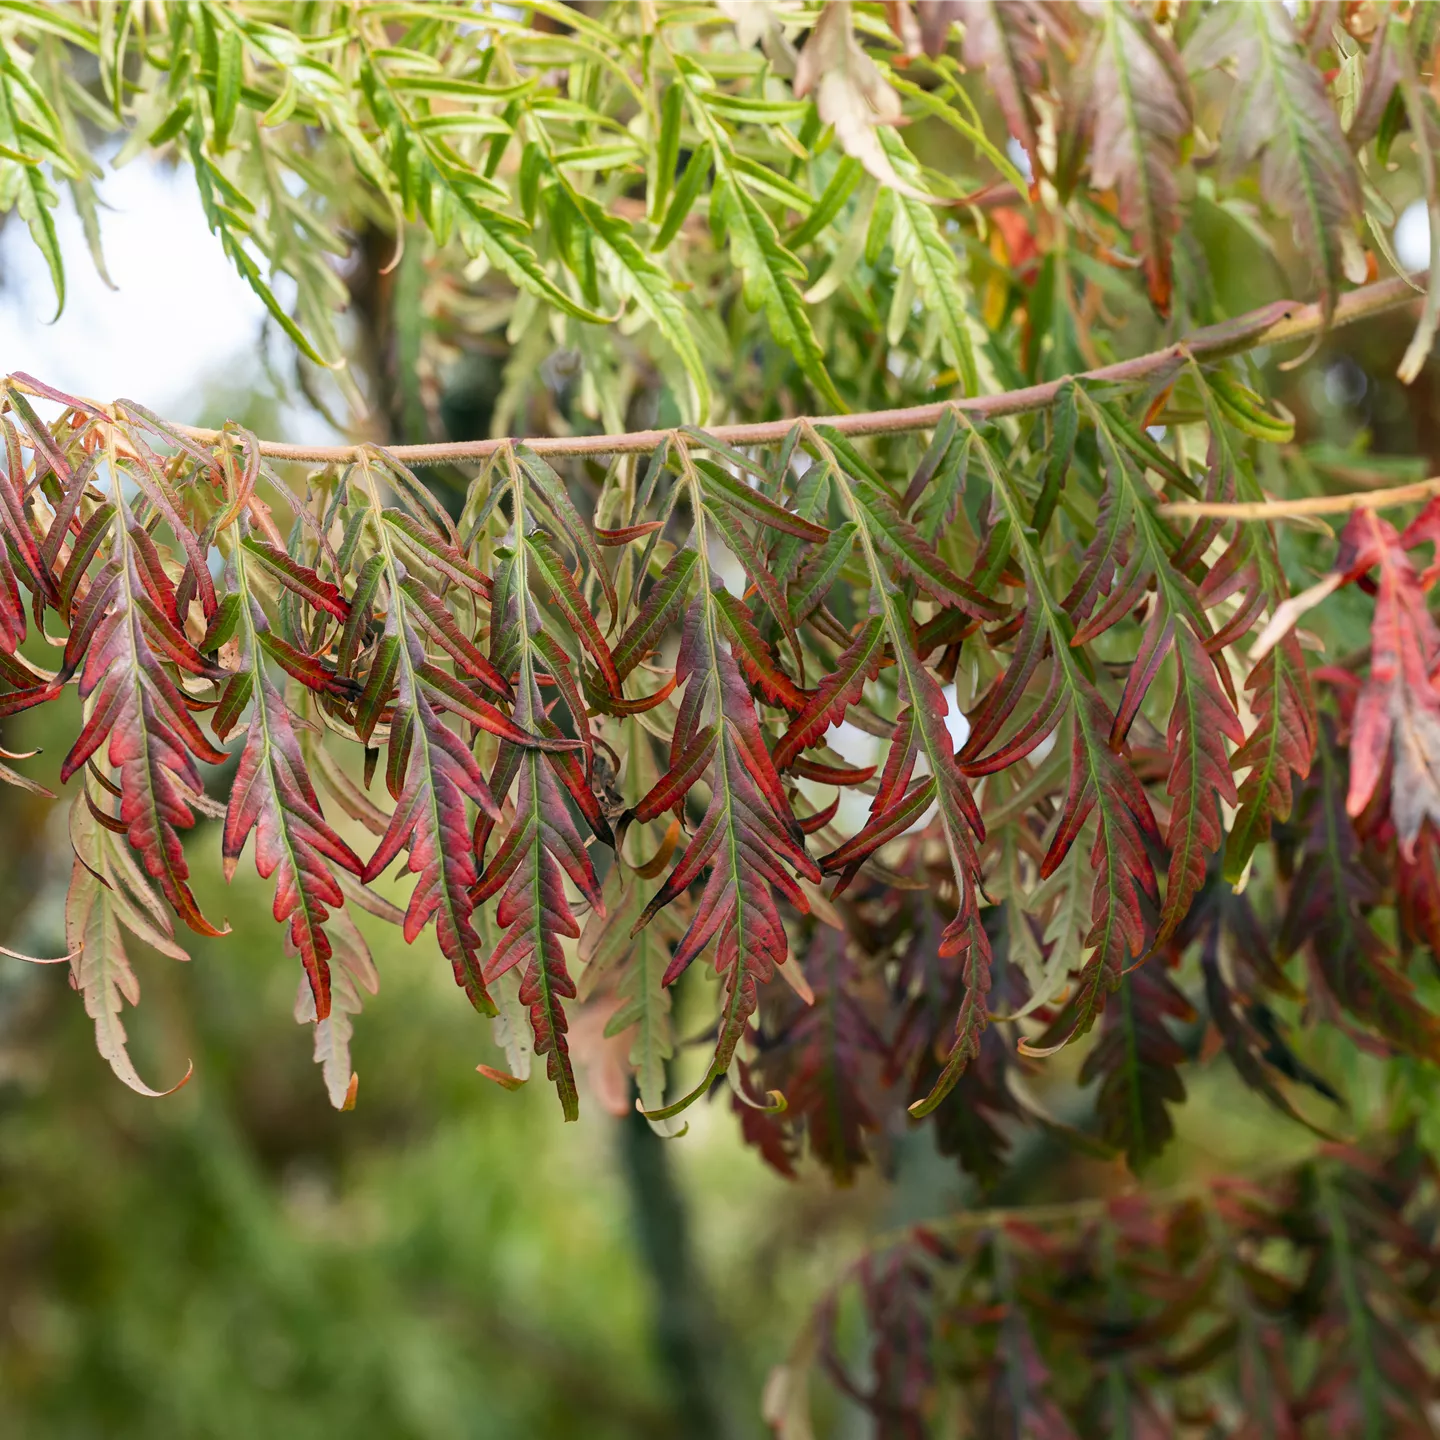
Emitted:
pixel 448 1260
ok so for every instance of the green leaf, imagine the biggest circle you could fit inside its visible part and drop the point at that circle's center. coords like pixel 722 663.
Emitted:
pixel 639 278
pixel 108 895
pixel 1279 109
pixel 922 249
pixel 36 199
pixel 769 272
pixel 228 77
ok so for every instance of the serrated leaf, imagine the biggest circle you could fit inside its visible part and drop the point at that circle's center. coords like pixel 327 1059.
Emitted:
pixel 748 836
pixel 1280 114
pixel 769 272
pixel 923 250
pixel 1137 1061
pixel 431 774
pixel 108 895
pixel 1142 113
pixel 273 797
pixel 354 974
pixel 853 95
pixel 1005 40
pixel 132 704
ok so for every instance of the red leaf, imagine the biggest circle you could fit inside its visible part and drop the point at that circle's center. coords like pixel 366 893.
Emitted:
pixel 135 706
pixel 273 796
pixel 627 533
pixel 1101 781
pixel 663 602
pixel 1397 714
pixel 430 821
pixel 748 836
pixel 836 693
pixel 1200 722
pixel 299 579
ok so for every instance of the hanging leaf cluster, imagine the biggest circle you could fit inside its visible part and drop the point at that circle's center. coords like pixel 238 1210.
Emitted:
pixel 1233 1309
pixel 877 672
pixel 796 180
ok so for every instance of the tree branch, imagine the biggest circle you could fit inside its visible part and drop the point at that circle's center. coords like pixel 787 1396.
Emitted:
pixel 1274 324
pixel 1310 505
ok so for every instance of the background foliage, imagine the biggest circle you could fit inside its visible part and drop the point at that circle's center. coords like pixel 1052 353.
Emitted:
pixel 1049 725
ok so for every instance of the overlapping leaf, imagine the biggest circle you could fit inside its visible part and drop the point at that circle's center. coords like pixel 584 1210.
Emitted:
pixel 430 771
pixel 1279 114
pixel 542 846
pixel 125 633
pixel 1140 101
pixel 273 797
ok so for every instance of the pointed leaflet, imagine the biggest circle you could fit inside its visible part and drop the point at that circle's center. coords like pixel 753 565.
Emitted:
pixel 768 271
pixel 837 691
pixel 28 186
pixel 1201 720
pixel 1005 40
pixel 1327 910
pixel 920 730
pixel 1101 782
pixel 637 277
pixel 298 578
pixel 927 255
pixel 126 617
pixel 1242 975
pixel 1137 1061
pixel 644 1010
pixel 1279 746
pixel 431 774
pixel 542 845
pixel 629 972
pixel 748 836
pixel 852 94
pixel 109 895
pixel 1279 113
pixel 1202 716
pixel 1141 111
pixel 822 1057
pixel 272 795
pixel 890 532
pixel 664 600
pixel 425 166
pixel 1396 729
pixel 354 973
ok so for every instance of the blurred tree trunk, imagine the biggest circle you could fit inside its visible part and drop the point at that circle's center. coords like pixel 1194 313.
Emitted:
pixel 689 1339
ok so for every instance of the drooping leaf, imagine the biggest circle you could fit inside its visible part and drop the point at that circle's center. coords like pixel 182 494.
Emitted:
pixel 431 774
pixel 1140 100
pixel 1327 912
pixel 137 713
pixel 748 836
pixel 1006 41
pixel 109 895
pixel 355 973
pixel 1136 1060
pixel 852 94
pixel 272 796
pixel 825 1059
pixel 1280 115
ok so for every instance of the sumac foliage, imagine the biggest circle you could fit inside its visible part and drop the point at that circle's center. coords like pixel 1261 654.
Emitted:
pixel 1280 1302
pixel 882 648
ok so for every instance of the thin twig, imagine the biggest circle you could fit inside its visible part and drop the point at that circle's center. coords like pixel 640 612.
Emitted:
pixel 1274 324
pixel 1311 505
